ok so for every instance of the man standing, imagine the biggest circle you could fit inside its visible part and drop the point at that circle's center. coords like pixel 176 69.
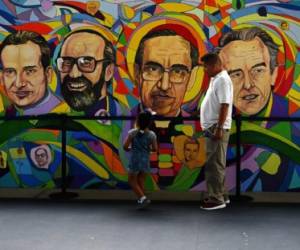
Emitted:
pixel 215 118
pixel 86 66
pixel 26 71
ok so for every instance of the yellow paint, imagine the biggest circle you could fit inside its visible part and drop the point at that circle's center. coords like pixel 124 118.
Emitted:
pixel 63 107
pixel 257 18
pixel 109 20
pixel 128 12
pixel 17 153
pixel 188 130
pixel 176 7
pixel 1 104
pixel 68 18
pixel 53 82
pixel 271 165
pixel 145 16
pixel 210 9
pixel 165 164
pixel 132 25
pixel 293 95
pixel 162 124
pixel 195 84
pixel 222 3
pixel 3 159
pixel 92 7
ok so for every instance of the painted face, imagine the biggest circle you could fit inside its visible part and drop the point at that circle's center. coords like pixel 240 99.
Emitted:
pixel 165 74
pixel 24 78
pixel 191 151
pixel 248 64
pixel 81 70
pixel 41 157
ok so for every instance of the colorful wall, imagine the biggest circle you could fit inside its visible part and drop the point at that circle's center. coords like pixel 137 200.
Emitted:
pixel 111 59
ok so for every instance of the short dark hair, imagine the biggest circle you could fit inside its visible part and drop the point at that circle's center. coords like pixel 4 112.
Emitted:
pixel 248 34
pixel 157 33
pixel 144 120
pixel 109 51
pixel 211 59
pixel 45 151
pixel 22 37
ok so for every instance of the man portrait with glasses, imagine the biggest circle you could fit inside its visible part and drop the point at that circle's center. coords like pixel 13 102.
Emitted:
pixel 26 73
pixel 86 67
pixel 164 62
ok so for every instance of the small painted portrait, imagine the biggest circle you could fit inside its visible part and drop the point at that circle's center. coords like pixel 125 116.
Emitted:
pixel 41 156
pixel 190 151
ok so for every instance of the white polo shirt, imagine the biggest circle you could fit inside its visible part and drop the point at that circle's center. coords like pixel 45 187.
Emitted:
pixel 220 91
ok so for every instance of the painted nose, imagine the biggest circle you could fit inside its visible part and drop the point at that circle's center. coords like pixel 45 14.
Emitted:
pixel 75 72
pixel 164 83
pixel 20 81
pixel 248 82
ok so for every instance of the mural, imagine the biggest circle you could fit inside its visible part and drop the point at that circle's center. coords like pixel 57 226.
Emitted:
pixel 102 62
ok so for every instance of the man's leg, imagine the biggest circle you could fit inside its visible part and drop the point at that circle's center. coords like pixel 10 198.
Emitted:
pixel 215 167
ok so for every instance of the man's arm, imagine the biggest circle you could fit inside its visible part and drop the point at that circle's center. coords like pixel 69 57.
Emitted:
pixel 222 117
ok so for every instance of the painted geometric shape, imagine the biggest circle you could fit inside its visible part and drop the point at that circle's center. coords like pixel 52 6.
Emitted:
pixel 269 162
pixel 166 172
pixel 295 182
pixel 258 186
pixel 165 158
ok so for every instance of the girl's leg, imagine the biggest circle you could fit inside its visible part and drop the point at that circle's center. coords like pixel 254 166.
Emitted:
pixel 133 182
pixel 141 177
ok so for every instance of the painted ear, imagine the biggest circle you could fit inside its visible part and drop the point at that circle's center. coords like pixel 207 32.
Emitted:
pixel 192 79
pixel 136 73
pixel 274 75
pixel 49 72
pixel 109 72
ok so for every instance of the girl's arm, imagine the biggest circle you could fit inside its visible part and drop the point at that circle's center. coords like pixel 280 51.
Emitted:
pixel 127 143
pixel 154 146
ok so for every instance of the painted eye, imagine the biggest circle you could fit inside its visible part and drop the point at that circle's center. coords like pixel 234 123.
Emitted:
pixel 236 75
pixel 9 72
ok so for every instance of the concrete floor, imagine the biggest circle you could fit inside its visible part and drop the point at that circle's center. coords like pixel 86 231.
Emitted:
pixel 27 224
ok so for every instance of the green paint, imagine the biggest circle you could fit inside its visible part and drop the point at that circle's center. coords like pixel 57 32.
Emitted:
pixel 165 158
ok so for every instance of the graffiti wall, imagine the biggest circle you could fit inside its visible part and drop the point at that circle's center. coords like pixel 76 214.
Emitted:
pixel 102 62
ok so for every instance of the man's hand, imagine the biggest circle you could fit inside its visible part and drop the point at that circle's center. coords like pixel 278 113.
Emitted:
pixel 218 133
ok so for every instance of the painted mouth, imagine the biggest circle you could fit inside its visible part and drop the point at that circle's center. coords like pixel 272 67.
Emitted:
pixel 162 100
pixel 23 93
pixel 251 97
pixel 76 86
